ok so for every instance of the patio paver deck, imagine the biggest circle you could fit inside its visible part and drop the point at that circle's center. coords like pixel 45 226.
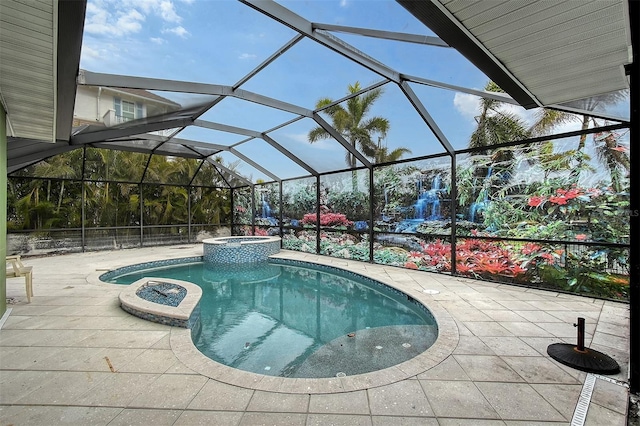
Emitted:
pixel 57 355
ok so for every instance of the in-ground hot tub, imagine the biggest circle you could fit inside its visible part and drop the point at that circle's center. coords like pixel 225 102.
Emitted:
pixel 224 250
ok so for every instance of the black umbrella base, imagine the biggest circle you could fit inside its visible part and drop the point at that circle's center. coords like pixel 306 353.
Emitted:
pixel 588 360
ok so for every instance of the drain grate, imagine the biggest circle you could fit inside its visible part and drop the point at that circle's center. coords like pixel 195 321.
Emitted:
pixel 580 414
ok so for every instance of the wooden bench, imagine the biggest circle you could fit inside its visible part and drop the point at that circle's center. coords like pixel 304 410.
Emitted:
pixel 17 269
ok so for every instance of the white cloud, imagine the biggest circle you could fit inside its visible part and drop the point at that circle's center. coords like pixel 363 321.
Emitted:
pixel 168 12
pixel 89 52
pixel 247 56
pixel 343 3
pixel 118 18
pixel 157 40
pixel 467 105
pixel 179 31
pixel 323 144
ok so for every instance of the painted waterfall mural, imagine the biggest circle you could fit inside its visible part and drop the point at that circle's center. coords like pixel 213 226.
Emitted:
pixel 533 220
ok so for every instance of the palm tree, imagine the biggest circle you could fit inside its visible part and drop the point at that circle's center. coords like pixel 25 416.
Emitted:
pixel 608 152
pixel 354 125
pixel 495 125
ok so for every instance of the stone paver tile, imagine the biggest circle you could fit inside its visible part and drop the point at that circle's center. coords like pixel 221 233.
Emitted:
pixel 571 317
pixel 275 419
pixel 449 369
pixel 468 314
pixel 537 316
pixel 17 384
pixel 57 338
pixel 487 368
pixel 151 361
pixel 610 395
pixel 340 403
pixel 179 368
pixel 164 343
pixel 470 422
pixel 530 423
pixel 20 358
pixel 63 387
pixel 144 416
pixel 170 391
pixel 122 339
pixel 563 397
pixel 404 398
pixel 487 329
pixel 117 358
pixel 337 420
pixel 517 305
pixel 403 421
pixel 208 418
pixel 457 399
pixel 525 329
pixel 578 306
pixel 547 305
pixel 221 396
pixel 509 346
pixel 565 330
pixel 503 315
pixel 538 370
pixel 598 416
pixel 611 341
pixel 487 305
pixel 118 390
pixel 279 402
pixel 472 345
pixel 613 329
pixel 518 401
pixel 52 415
pixel 540 344
pixel 462 330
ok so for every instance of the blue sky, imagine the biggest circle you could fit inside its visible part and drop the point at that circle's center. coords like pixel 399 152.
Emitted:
pixel 220 41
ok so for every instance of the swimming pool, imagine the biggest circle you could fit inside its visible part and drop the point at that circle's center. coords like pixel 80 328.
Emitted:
pixel 295 319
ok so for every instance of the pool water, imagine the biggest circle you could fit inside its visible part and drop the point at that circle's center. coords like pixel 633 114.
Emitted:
pixel 293 321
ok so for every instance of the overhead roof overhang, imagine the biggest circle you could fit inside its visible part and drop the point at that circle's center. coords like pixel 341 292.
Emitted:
pixel 540 52
pixel 37 84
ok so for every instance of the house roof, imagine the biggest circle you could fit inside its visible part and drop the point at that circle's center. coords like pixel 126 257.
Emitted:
pixel 530 48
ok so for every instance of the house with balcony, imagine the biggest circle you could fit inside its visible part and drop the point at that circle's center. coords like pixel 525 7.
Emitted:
pixel 110 106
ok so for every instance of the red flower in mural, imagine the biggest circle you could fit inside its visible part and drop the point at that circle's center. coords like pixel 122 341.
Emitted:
pixel 561 200
pixel 464 268
pixel 548 257
pixel 530 248
pixel 411 265
pixel 535 201
pixel 581 237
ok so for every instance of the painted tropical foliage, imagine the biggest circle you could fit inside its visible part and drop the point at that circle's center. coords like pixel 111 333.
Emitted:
pixel 550 214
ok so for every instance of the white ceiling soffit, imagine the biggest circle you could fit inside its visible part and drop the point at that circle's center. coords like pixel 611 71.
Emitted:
pixel 37 87
pixel 28 67
pixel 541 52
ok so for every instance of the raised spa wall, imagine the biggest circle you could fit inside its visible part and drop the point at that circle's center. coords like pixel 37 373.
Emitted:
pixel 248 249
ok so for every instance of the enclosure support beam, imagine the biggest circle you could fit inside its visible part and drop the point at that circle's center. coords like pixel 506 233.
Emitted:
pixel 386 35
pixel 453 205
pixel 3 204
pixel 419 107
pixel 634 211
pixel 280 214
pixel 317 214
pixel 371 212
pixel 289 155
pixel 337 136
